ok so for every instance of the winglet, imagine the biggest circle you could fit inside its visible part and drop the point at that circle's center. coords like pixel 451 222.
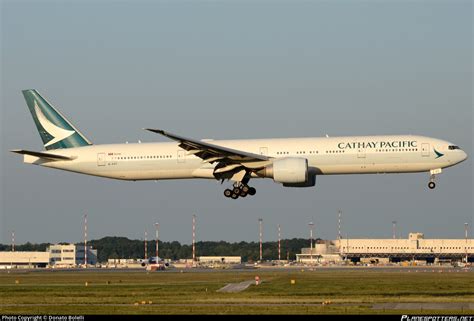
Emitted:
pixel 158 131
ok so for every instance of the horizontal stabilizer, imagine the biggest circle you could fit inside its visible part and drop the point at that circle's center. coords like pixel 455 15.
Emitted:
pixel 42 155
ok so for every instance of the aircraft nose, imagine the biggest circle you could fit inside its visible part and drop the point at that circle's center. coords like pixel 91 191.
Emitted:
pixel 463 156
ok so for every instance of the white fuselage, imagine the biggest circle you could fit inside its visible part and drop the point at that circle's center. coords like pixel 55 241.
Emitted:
pixel 326 156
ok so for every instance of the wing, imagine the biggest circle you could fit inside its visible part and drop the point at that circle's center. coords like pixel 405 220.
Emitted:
pixel 227 159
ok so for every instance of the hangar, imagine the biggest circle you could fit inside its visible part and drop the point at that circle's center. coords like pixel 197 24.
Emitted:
pixel 23 259
pixel 416 247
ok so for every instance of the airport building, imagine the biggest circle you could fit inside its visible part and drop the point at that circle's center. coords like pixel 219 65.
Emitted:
pixel 58 255
pixel 70 255
pixel 91 255
pixel 220 259
pixel 62 255
pixel 124 263
pixel 415 248
pixel 23 259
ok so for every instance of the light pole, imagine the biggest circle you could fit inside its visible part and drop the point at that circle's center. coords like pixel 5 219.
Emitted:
pixel 279 244
pixel 194 238
pixel 466 225
pixel 157 227
pixel 85 240
pixel 13 248
pixel 13 241
pixel 339 225
pixel 146 239
pixel 260 221
pixel 311 224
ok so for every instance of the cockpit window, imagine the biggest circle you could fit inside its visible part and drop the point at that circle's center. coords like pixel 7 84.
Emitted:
pixel 453 147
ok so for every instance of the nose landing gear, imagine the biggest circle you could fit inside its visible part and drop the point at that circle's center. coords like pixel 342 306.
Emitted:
pixel 433 172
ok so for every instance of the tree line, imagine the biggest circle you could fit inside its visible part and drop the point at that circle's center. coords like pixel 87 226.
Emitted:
pixel 115 247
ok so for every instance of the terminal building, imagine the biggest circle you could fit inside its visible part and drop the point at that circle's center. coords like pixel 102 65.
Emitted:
pixel 91 255
pixel 58 255
pixel 415 248
pixel 62 255
pixel 70 255
pixel 220 259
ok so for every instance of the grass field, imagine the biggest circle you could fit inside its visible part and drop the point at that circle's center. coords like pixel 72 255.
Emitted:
pixel 351 292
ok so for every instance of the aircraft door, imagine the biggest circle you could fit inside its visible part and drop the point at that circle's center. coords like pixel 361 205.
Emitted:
pixel 101 159
pixel 361 153
pixel 425 149
pixel 181 156
pixel 264 151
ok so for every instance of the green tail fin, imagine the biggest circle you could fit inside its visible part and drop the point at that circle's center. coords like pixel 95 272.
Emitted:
pixel 55 130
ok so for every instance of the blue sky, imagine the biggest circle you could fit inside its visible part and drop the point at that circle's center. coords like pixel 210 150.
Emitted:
pixel 236 69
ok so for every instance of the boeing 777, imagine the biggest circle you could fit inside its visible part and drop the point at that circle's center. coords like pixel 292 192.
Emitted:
pixel 293 162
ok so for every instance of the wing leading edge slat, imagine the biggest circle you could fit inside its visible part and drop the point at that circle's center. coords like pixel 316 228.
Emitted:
pixel 227 159
pixel 207 150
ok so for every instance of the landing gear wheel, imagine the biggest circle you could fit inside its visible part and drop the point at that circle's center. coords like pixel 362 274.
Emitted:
pixel 243 194
pixel 252 191
pixel 431 185
pixel 227 193
pixel 245 189
pixel 234 196
pixel 236 190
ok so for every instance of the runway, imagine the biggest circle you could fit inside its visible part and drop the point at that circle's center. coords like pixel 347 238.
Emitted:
pixel 411 269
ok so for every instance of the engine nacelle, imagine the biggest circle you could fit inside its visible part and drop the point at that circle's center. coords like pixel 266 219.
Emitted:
pixel 291 170
pixel 309 183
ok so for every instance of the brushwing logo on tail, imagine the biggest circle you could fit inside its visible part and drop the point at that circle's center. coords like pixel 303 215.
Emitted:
pixel 58 133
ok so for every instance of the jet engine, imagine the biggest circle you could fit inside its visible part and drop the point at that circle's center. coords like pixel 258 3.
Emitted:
pixel 290 170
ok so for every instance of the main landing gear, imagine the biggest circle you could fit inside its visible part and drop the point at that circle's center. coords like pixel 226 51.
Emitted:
pixel 240 190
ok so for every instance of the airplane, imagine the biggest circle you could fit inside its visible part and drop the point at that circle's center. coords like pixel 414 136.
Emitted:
pixel 292 162
pixel 155 262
